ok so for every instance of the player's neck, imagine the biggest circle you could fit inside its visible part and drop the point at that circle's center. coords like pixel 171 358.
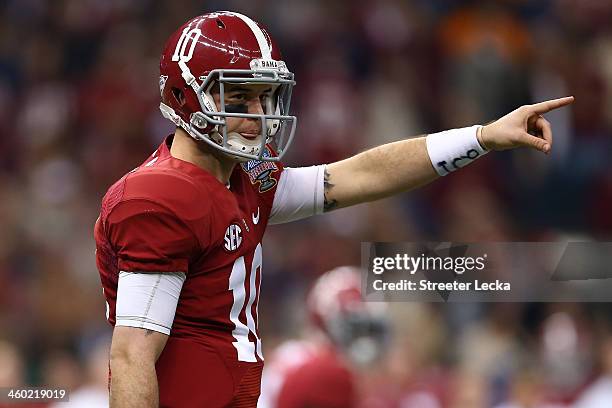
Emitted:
pixel 184 147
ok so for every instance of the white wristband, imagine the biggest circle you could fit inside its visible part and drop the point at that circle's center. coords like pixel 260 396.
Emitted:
pixel 452 149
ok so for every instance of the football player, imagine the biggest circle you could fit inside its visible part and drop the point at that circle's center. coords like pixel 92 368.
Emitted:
pixel 179 238
pixel 322 370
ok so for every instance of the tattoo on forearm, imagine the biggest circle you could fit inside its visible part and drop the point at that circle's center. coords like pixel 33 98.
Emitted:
pixel 328 204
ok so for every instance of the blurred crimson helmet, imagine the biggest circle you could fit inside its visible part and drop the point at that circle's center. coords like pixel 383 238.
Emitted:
pixel 360 329
pixel 203 56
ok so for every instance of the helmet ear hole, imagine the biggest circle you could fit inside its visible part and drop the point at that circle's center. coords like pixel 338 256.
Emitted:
pixel 179 96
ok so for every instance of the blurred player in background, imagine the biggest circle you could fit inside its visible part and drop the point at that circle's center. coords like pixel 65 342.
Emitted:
pixel 322 370
pixel 179 237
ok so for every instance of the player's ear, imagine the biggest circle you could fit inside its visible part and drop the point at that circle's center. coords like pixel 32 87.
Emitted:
pixel 179 96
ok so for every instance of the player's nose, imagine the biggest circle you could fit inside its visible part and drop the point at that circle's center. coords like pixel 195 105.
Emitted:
pixel 256 107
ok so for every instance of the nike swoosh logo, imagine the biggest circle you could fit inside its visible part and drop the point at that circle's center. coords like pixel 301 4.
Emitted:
pixel 256 217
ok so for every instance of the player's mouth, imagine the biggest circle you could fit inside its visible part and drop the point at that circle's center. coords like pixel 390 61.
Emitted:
pixel 250 135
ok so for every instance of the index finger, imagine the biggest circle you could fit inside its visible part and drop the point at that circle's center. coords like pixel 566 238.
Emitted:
pixel 547 106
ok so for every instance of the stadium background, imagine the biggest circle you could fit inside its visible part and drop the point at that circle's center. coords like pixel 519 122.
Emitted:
pixel 78 109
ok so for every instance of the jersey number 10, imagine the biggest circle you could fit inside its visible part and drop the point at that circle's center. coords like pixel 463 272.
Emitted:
pixel 237 284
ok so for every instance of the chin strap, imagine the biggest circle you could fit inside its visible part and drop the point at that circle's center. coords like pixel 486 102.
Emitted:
pixel 191 81
pixel 188 76
pixel 168 113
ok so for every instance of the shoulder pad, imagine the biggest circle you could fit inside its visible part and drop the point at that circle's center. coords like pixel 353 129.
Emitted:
pixel 170 189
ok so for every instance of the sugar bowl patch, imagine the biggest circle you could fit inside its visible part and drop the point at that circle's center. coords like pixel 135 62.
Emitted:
pixel 261 172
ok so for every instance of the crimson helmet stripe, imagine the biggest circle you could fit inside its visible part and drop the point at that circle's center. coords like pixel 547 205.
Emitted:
pixel 266 51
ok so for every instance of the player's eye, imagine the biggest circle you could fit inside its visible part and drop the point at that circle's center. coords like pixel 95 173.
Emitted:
pixel 238 97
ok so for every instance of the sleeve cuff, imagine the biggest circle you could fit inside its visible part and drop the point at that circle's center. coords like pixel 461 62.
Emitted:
pixel 141 323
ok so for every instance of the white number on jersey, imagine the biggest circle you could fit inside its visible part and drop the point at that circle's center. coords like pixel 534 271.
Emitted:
pixel 237 284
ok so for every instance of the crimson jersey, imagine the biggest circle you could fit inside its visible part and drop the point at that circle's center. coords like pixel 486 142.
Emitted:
pixel 169 215
pixel 303 374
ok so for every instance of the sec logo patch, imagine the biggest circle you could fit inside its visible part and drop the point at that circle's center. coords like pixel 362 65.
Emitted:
pixel 233 238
